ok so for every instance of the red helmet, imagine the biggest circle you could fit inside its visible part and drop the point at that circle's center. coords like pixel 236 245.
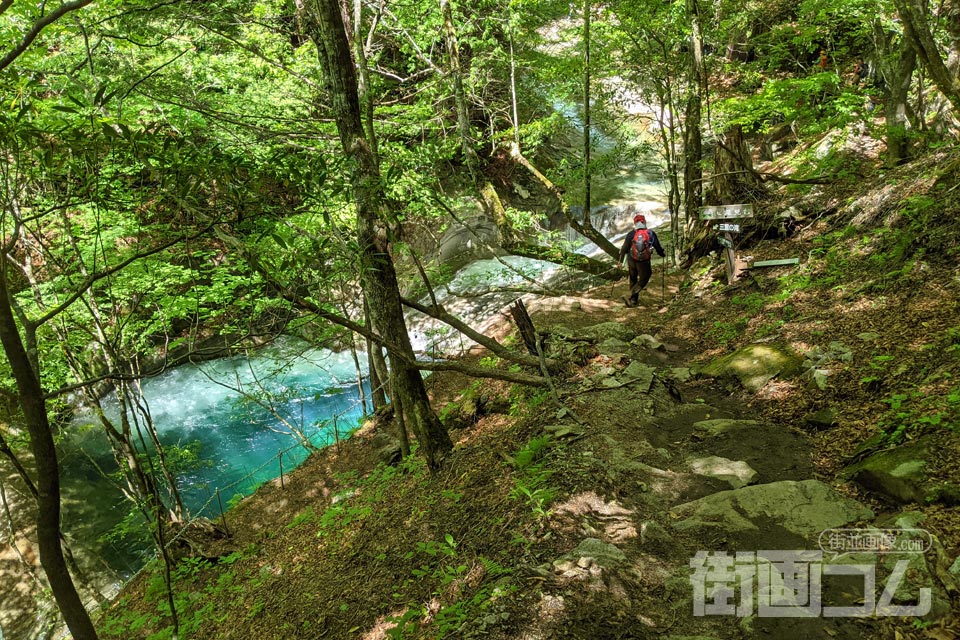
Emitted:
pixel 639 219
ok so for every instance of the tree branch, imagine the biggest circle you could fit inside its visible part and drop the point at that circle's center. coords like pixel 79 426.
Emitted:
pixel 100 275
pixel 39 26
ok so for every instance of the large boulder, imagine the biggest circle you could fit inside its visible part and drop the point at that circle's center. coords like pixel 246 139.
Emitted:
pixel 804 508
pixel 460 243
pixel 899 474
pixel 754 365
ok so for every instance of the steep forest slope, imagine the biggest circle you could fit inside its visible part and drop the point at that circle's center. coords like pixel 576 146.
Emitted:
pixel 768 455
pixel 577 514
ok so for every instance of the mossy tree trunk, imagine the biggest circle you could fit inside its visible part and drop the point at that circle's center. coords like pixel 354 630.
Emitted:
pixel 378 275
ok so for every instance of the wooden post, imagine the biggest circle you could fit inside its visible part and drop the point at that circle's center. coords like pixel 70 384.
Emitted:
pixel 730 257
pixel 525 325
pixel 725 213
pixel 280 457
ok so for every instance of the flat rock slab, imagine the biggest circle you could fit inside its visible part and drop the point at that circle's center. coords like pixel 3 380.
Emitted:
pixel 604 330
pixel 721 426
pixel 734 472
pixel 591 552
pixel 639 373
pixel 804 508
pixel 612 346
pixel 755 365
pixel 647 341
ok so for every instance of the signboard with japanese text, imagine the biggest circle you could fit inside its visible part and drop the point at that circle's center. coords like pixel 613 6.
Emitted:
pixel 727 212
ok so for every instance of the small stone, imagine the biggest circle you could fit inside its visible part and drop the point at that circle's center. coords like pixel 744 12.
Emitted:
pixel 639 373
pixel 601 553
pixel 823 419
pixel 647 341
pixel 720 426
pixel 613 345
pixel 563 565
pixel 735 473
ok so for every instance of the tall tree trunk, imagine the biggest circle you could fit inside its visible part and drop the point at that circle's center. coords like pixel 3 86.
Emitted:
pixel 587 8
pixel 363 77
pixel 459 93
pixel 692 139
pixel 48 473
pixel 734 179
pixel 379 376
pixel 915 15
pixel 378 275
pixel 896 107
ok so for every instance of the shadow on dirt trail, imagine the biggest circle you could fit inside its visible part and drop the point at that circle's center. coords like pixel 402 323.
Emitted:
pixel 667 466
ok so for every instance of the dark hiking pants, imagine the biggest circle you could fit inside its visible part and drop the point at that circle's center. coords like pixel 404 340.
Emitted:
pixel 640 273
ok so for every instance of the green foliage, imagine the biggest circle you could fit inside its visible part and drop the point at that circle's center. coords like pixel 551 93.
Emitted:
pixel 751 302
pixel 532 474
pixel 196 602
pixel 524 400
pixel 444 570
pixel 726 332
pixel 304 517
pixel 914 411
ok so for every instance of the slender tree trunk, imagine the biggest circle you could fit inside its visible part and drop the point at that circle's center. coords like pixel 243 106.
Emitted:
pixel 21 470
pixel 459 93
pixel 896 107
pixel 915 15
pixel 363 76
pixel 398 416
pixel 48 473
pixel 378 275
pixel 513 91
pixel 692 140
pixel 379 376
pixel 587 9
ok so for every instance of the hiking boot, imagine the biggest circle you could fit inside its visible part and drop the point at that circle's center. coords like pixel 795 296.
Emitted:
pixel 629 303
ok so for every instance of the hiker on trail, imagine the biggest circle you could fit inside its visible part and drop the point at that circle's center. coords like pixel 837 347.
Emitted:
pixel 637 251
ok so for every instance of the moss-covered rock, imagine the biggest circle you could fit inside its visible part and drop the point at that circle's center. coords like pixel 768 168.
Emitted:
pixel 755 365
pixel 804 508
pixel 899 474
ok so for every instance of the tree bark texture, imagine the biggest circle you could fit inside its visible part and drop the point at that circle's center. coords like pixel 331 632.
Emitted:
pixel 378 275
pixel 915 15
pixel 459 93
pixel 525 324
pixel 896 106
pixel 734 179
pixel 587 8
pixel 48 474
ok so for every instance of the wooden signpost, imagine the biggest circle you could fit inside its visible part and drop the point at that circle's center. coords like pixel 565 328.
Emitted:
pixel 727 229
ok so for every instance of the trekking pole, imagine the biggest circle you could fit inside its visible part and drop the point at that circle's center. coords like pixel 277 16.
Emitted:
pixel 663 282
